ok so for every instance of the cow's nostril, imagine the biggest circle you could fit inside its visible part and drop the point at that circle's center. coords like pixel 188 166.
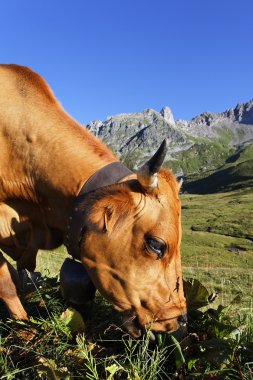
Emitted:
pixel 182 319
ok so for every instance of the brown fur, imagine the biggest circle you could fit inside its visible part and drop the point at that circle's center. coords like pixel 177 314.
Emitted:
pixel 45 158
pixel 28 81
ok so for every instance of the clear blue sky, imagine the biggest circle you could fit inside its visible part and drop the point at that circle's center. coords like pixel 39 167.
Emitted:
pixel 103 57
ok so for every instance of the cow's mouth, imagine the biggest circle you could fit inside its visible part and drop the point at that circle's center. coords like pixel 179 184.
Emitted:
pixel 136 330
pixel 132 326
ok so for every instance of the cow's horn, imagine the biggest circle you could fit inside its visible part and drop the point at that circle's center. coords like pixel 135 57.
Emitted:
pixel 147 174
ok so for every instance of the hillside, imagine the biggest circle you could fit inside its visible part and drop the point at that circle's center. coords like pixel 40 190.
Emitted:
pixel 217 147
pixel 235 173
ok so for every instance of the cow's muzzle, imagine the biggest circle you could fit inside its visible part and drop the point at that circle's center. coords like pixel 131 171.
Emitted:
pixel 134 328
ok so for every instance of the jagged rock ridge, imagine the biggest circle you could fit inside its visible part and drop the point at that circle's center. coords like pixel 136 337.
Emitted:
pixel 139 134
pixel 134 137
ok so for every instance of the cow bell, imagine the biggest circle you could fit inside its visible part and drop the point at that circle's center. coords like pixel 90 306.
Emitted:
pixel 76 286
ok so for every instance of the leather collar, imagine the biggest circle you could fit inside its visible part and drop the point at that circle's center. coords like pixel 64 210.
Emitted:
pixel 106 176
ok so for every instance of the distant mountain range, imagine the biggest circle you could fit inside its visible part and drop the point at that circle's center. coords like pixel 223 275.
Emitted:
pixel 209 143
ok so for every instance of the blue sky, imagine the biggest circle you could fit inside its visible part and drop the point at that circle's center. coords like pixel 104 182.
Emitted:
pixel 103 57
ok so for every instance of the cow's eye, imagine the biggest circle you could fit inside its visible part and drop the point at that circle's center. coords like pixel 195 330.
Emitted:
pixel 155 245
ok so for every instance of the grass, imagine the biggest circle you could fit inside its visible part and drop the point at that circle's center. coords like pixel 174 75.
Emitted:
pixel 202 155
pixel 217 244
pixel 217 250
pixel 235 173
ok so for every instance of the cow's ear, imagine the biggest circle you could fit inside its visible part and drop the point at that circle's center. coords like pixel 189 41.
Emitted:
pixel 110 212
pixel 108 219
pixel 98 218
pixel 112 219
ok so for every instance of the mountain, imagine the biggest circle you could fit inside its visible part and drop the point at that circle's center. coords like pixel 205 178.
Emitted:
pixel 134 137
pixel 209 143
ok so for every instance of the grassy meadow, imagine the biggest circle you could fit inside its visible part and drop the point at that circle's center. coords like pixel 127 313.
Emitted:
pixel 217 257
pixel 217 245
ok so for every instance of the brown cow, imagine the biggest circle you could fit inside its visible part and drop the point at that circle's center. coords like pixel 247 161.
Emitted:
pixel 131 231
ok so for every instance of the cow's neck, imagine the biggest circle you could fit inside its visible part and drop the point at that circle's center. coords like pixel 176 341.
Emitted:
pixel 74 155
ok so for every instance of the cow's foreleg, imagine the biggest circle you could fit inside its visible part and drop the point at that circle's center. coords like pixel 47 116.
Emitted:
pixel 8 290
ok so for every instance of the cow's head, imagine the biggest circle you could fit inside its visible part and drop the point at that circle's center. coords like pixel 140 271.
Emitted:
pixel 131 247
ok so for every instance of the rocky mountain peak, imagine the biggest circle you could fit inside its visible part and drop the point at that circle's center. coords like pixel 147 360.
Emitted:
pixel 243 112
pixel 167 115
pixel 149 111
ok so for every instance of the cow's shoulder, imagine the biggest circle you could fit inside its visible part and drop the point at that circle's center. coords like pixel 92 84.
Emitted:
pixel 23 227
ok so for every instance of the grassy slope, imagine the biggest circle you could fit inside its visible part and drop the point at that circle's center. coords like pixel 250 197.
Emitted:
pixel 216 245
pixel 204 155
pixel 235 173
